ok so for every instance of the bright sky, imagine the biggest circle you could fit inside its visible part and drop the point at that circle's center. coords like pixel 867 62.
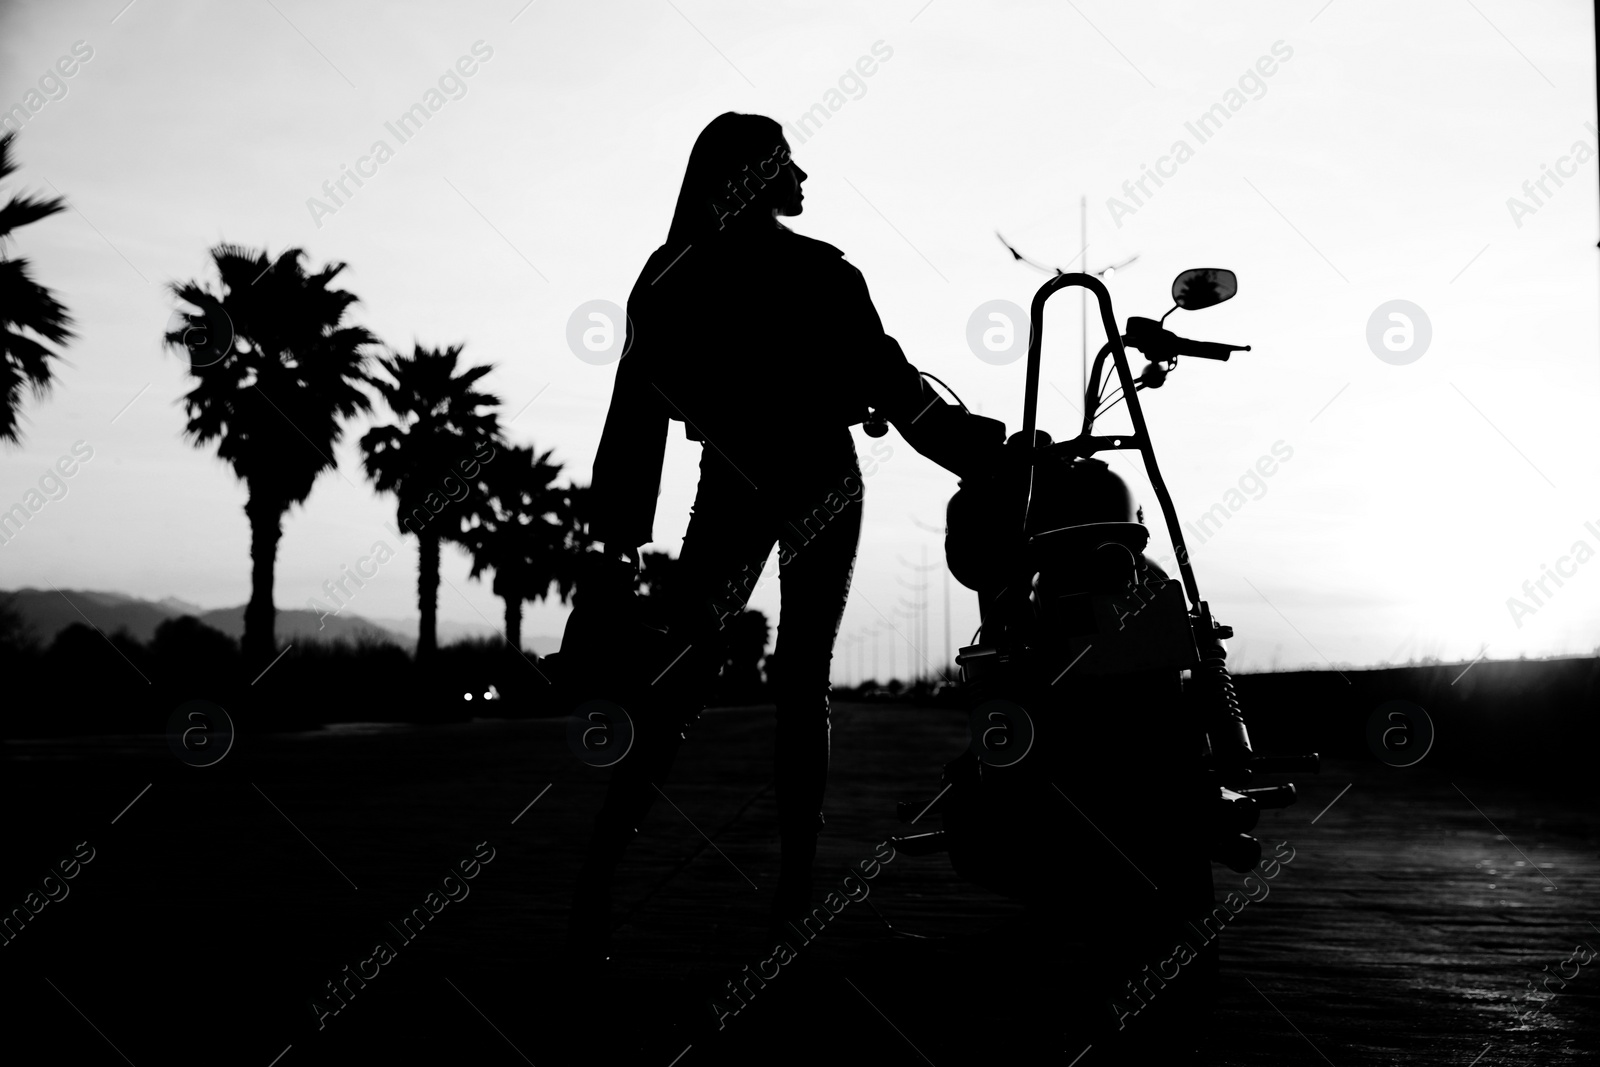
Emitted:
pixel 1373 164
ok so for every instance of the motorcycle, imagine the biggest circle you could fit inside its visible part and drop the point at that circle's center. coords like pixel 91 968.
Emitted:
pixel 1109 764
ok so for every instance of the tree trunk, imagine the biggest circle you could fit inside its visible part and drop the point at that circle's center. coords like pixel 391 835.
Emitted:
pixel 514 622
pixel 427 596
pixel 260 640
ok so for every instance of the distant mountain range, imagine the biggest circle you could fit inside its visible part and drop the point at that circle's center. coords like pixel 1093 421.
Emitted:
pixel 451 632
pixel 46 613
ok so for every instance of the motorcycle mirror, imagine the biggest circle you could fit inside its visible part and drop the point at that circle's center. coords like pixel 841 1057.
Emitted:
pixel 1203 287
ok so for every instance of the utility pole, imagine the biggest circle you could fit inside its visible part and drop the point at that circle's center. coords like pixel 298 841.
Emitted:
pixel 924 568
pixel 1083 293
pixel 891 652
pixel 921 606
pixel 949 660
pixel 910 639
pixel 908 611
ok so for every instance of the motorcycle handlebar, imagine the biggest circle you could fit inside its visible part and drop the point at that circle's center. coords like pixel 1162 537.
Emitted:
pixel 1159 343
pixel 1209 349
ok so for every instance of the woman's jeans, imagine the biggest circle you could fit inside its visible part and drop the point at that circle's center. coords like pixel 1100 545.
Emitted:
pixel 815 519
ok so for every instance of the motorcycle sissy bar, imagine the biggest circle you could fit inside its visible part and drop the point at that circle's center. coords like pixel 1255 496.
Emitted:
pixel 1087 443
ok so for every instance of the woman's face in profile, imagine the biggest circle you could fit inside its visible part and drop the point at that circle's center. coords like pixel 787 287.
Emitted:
pixel 788 198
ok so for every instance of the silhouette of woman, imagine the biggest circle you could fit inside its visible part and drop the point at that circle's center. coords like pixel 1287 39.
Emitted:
pixel 766 346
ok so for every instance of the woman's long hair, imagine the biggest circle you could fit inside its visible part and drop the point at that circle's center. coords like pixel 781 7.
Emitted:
pixel 713 180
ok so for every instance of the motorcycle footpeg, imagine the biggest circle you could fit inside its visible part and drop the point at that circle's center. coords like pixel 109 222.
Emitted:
pixel 922 844
pixel 1238 852
pixel 1272 796
pixel 1236 812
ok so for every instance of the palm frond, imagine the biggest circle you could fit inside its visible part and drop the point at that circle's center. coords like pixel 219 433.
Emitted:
pixel 276 399
pixel 29 313
pixel 19 211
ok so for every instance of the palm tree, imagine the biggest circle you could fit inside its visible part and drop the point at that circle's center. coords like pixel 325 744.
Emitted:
pixel 523 529
pixel 29 313
pixel 281 372
pixel 432 460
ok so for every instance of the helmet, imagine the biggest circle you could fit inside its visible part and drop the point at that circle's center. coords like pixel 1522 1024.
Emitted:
pixel 984 533
pixel 1077 491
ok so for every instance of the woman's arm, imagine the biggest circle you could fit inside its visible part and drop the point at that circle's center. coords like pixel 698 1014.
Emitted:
pixel 627 465
pixel 957 440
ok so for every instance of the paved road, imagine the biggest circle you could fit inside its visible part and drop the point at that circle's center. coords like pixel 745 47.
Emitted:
pixel 1415 913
